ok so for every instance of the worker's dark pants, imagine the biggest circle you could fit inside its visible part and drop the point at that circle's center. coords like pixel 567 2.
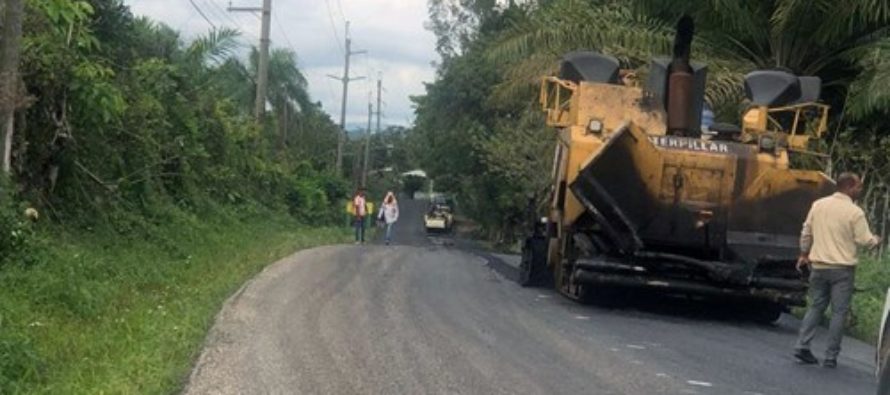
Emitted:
pixel 834 286
pixel 359 224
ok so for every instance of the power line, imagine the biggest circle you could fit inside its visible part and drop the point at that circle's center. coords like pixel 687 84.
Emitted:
pixel 221 14
pixel 202 13
pixel 284 33
pixel 185 22
pixel 340 8
pixel 333 96
pixel 333 25
pixel 370 71
pixel 216 12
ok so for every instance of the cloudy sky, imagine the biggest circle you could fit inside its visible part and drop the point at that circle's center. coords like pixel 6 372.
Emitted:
pixel 399 48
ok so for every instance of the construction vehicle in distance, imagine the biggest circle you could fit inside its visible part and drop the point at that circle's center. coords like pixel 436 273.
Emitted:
pixel 642 198
pixel 439 217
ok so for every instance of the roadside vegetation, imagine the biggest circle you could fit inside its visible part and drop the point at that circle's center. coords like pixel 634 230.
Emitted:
pixel 479 130
pixel 141 192
pixel 101 313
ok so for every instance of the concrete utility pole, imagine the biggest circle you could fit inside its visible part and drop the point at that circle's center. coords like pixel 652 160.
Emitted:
pixel 371 112
pixel 345 80
pixel 379 111
pixel 263 63
pixel 367 143
pixel 368 135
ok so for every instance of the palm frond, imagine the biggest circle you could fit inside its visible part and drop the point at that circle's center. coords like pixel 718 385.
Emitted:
pixel 532 49
pixel 870 92
pixel 215 46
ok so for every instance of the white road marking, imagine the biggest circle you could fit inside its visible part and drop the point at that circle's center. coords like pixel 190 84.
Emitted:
pixel 544 296
pixel 661 375
pixel 582 317
pixel 636 347
pixel 699 383
pixel 613 349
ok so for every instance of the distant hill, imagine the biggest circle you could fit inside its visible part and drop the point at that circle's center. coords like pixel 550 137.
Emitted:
pixel 354 131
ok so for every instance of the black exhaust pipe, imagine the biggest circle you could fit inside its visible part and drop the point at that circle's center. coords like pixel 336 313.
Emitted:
pixel 681 81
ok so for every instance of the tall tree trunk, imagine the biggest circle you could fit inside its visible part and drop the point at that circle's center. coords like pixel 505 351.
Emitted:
pixel 10 46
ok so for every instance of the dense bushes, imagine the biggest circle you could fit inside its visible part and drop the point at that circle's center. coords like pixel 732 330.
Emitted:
pixel 316 198
pixel 18 239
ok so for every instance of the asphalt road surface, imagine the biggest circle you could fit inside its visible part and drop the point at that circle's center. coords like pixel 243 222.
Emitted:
pixel 424 316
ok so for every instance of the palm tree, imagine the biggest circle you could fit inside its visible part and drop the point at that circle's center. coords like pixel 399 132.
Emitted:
pixel 534 44
pixel 288 89
pixel 208 61
pixel 814 37
pixel 811 37
pixel 214 47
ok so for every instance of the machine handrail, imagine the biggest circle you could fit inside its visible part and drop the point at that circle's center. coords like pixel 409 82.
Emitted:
pixel 553 101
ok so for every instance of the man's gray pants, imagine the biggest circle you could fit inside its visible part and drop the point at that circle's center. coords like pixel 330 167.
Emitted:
pixel 834 286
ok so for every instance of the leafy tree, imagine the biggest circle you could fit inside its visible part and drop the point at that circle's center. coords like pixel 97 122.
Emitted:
pixel 125 117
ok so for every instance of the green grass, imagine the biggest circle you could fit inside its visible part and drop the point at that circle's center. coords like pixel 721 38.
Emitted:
pixel 872 279
pixel 106 314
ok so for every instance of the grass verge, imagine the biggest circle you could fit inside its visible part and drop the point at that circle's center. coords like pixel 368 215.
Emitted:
pixel 872 280
pixel 99 315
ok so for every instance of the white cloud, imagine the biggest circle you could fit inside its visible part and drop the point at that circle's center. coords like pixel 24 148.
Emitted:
pixel 392 31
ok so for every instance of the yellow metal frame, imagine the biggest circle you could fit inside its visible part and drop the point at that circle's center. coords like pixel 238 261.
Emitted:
pixel 797 139
pixel 556 100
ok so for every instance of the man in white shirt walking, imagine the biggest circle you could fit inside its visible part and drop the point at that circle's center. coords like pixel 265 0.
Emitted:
pixel 834 228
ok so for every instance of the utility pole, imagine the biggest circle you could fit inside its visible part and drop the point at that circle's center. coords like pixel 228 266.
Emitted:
pixel 345 80
pixel 368 136
pixel 263 63
pixel 379 89
pixel 367 143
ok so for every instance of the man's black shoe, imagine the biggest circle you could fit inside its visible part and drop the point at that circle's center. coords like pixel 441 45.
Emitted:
pixel 805 357
pixel 829 363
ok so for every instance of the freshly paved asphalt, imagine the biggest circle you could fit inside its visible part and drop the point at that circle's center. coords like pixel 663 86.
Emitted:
pixel 426 316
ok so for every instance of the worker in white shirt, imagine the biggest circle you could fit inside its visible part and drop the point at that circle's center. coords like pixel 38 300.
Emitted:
pixel 835 227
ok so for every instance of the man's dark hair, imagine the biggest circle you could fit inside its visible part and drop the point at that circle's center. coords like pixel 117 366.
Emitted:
pixel 846 181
